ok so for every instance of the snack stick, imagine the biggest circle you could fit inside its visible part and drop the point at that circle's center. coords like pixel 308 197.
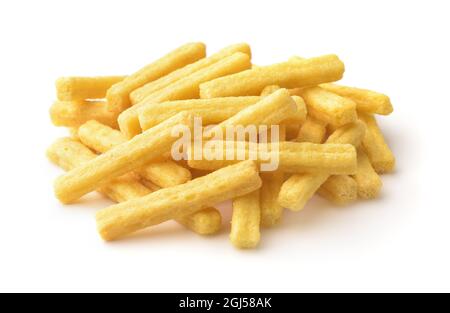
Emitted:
pixel 367 101
pixel 212 111
pixel 76 113
pixel 102 138
pixel 141 93
pixel 271 210
pixel 368 181
pixel 270 110
pixel 300 188
pixel 312 130
pixel 82 88
pixel 334 159
pixel 329 107
pixel 309 72
pixel 186 88
pixel 69 154
pixel 73 131
pixel 119 94
pixel 339 189
pixel 170 203
pixel 380 155
pixel 246 220
pixel 269 90
pixel 300 115
pixel 120 160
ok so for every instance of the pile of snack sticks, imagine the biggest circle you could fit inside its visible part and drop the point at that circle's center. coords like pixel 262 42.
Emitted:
pixel 122 137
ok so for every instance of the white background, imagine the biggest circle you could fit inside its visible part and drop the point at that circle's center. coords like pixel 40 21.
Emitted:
pixel 399 242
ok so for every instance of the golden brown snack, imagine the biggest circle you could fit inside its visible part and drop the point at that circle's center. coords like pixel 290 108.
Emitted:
pixel 102 138
pixel 68 154
pixel 185 88
pixel 82 88
pixel 141 93
pixel 119 94
pixel 246 220
pixel 329 107
pixel 380 155
pixel 269 90
pixel 332 159
pixel 299 188
pixel 309 72
pixel 367 101
pixel 368 181
pixel 120 160
pixel 340 189
pixel 312 130
pixel 166 204
pixel 76 113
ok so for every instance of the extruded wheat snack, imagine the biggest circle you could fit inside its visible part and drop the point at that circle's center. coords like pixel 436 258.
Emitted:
pixel 119 94
pixel 367 101
pixel 120 160
pixel 141 93
pixel 186 88
pixel 339 189
pixel 166 204
pixel 68 154
pixel 329 107
pixel 102 138
pixel 300 188
pixel 245 223
pixel 306 73
pixel 380 155
pixel 82 88
pixel 76 113
pixel 368 181
pixel 312 130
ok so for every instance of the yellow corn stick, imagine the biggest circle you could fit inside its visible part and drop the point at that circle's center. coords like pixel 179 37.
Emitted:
pixel 246 220
pixel 141 93
pixel 76 113
pixel 68 154
pixel 82 88
pixel 269 90
pixel 170 203
pixel 368 181
pixel 102 138
pixel 380 155
pixel 271 210
pixel 329 107
pixel 340 189
pixel 309 72
pixel 119 94
pixel 333 159
pixel 367 101
pixel 120 160
pixel 73 131
pixel 186 88
pixel 312 130
pixel 299 188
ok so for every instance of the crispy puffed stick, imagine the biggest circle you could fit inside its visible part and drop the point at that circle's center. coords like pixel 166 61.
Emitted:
pixel 68 154
pixel 312 130
pixel 102 138
pixel 299 188
pixel 76 113
pixel 368 181
pixel 269 90
pixel 73 131
pixel 120 160
pixel 119 94
pixel 380 155
pixel 186 88
pixel 141 93
pixel 293 157
pixel 82 88
pixel 271 210
pixel 329 107
pixel 304 73
pixel 339 189
pixel 166 204
pixel 367 101
pixel 270 110
pixel 246 220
